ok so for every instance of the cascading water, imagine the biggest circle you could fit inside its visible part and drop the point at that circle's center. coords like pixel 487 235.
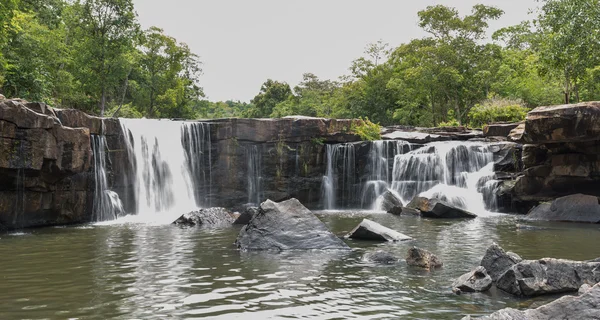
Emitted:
pixel 198 151
pixel 340 176
pixel 107 204
pixel 254 172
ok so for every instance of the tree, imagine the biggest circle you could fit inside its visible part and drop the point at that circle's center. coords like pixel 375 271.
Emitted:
pixel 271 93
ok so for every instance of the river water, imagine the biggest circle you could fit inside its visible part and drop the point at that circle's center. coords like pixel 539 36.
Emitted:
pixel 142 271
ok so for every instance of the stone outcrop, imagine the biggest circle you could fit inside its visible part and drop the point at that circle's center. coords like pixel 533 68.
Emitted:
pixel 373 231
pixel 381 257
pixel 426 135
pixel 389 201
pixel 496 261
pixel 477 280
pixel 422 258
pixel 211 217
pixel 435 208
pixel 499 129
pixel 573 208
pixel 246 215
pixel 287 225
pixel 583 307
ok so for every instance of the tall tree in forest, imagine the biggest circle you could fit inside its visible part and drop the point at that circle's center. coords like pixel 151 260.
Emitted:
pixel 271 93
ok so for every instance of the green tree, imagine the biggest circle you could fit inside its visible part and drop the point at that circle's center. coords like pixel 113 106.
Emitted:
pixel 271 93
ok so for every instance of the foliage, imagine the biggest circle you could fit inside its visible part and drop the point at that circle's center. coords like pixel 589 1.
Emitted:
pixel 366 130
pixel 125 111
pixel 497 110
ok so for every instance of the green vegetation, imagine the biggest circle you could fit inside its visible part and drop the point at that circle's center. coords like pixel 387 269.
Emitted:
pixel 93 55
pixel 366 130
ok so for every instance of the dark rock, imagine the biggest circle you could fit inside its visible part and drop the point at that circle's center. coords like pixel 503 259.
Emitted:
pixel 499 129
pixel 435 208
pixel 389 201
pixel 507 156
pixel 548 276
pixel 563 123
pixel 373 231
pixel 496 261
pixel 583 307
pixel 517 134
pixel 405 211
pixel 381 257
pixel 287 225
pixel 477 280
pixel 573 208
pixel 246 216
pixel 212 217
pixel 422 258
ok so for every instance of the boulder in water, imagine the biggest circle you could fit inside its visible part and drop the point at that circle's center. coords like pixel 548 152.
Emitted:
pixel 477 280
pixel 381 257
pixel 211 217
pixel 583 307
pixel 373 231
pixel 246 216
pixel 573 208
pixel 548 276
pixel 422 258
pixel 404 211
pixel 496 261
pixel 287 225
pixel 435 208
pixel 388 201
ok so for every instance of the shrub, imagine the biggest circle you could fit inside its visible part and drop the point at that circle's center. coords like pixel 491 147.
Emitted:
pixel 366 130
pixel 497 110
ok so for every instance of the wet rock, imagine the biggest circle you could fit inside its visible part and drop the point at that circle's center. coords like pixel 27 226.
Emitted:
pixel 548 276
pixel 435 208
pixel 246 216
pixel 389 201
pixel 583 307
pixel 373 231
pixel 507 156
pixel 477 280
pixel 381 257
pixel 212 217
pixel 573 208
pixel 496 261
pixel 499 129
pixel 287 225
pixel 405 211
pixel 422 258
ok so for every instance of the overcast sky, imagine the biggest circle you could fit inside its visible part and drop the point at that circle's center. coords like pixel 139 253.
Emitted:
pixel 242 43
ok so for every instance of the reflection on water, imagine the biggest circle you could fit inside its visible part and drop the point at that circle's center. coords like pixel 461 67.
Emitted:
pixel 138 271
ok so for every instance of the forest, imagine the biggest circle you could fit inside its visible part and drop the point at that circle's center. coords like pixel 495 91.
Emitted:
pixel 93 55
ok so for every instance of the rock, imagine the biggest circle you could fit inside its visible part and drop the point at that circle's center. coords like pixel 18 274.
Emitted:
pixel 584 307
pixel 477 280
pixel 548 276
pixel 507 156
pixel 212 217
pixel 389 201
pixel 584 288
pixel 496 261
pixel 405 211
pixel 287 225
pixel 381 257
pixel 373 231
pixel 499 129
pixel 246 216
pixel 563 123
pixel 517 134
pixel 2 97
pixel 15 112
pixel 573 208
pixel 422 258
pixel 435 208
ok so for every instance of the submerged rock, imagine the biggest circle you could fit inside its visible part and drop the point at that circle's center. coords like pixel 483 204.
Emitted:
pixel 246 216
pixel 381 257
pixel 422 258
pixel 496 261
pixel 583 307
pixel 548 276
pixel 573 208
pixel 477 280
pixel 389 201
pixel 287 225
pixel 404 211
pixel 211 217
pixel 373 231
pixel 435 208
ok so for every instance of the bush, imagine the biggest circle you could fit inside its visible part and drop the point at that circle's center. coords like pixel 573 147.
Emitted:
pixel 366 130
pixel 127 111
pixel 497 110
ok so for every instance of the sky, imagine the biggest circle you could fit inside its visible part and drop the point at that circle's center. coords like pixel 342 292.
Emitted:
pixel 242 43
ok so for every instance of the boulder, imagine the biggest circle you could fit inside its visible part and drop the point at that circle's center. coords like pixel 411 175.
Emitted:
pixel 563 123
pixel 573 208
pixel 388 201
pixel 422 258
pixel 398 211
pixel 212 217
pixel 435 208
pixel 583 307
pixel 499 129
pixel 507 156
pixel 548 276
pixel 287 225
pixel 373 231
pixel 583 289
pixel 381 257
pixel 246 216
pixel 16 112
pixel 496 261
pixel 477 280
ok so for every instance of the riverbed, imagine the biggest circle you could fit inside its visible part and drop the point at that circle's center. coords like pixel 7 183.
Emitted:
pixel 152 271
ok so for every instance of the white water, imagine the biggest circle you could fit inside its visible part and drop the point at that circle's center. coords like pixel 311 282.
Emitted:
pixel 340 175
pixel 254 174
pixel 107 204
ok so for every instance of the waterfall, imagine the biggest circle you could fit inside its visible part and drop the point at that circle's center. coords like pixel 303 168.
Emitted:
pixel 254 173
pixel 172 165
pixel 107 204
pixel 339 181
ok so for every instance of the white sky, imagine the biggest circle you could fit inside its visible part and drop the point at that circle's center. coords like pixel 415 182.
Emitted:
pixel 242 43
